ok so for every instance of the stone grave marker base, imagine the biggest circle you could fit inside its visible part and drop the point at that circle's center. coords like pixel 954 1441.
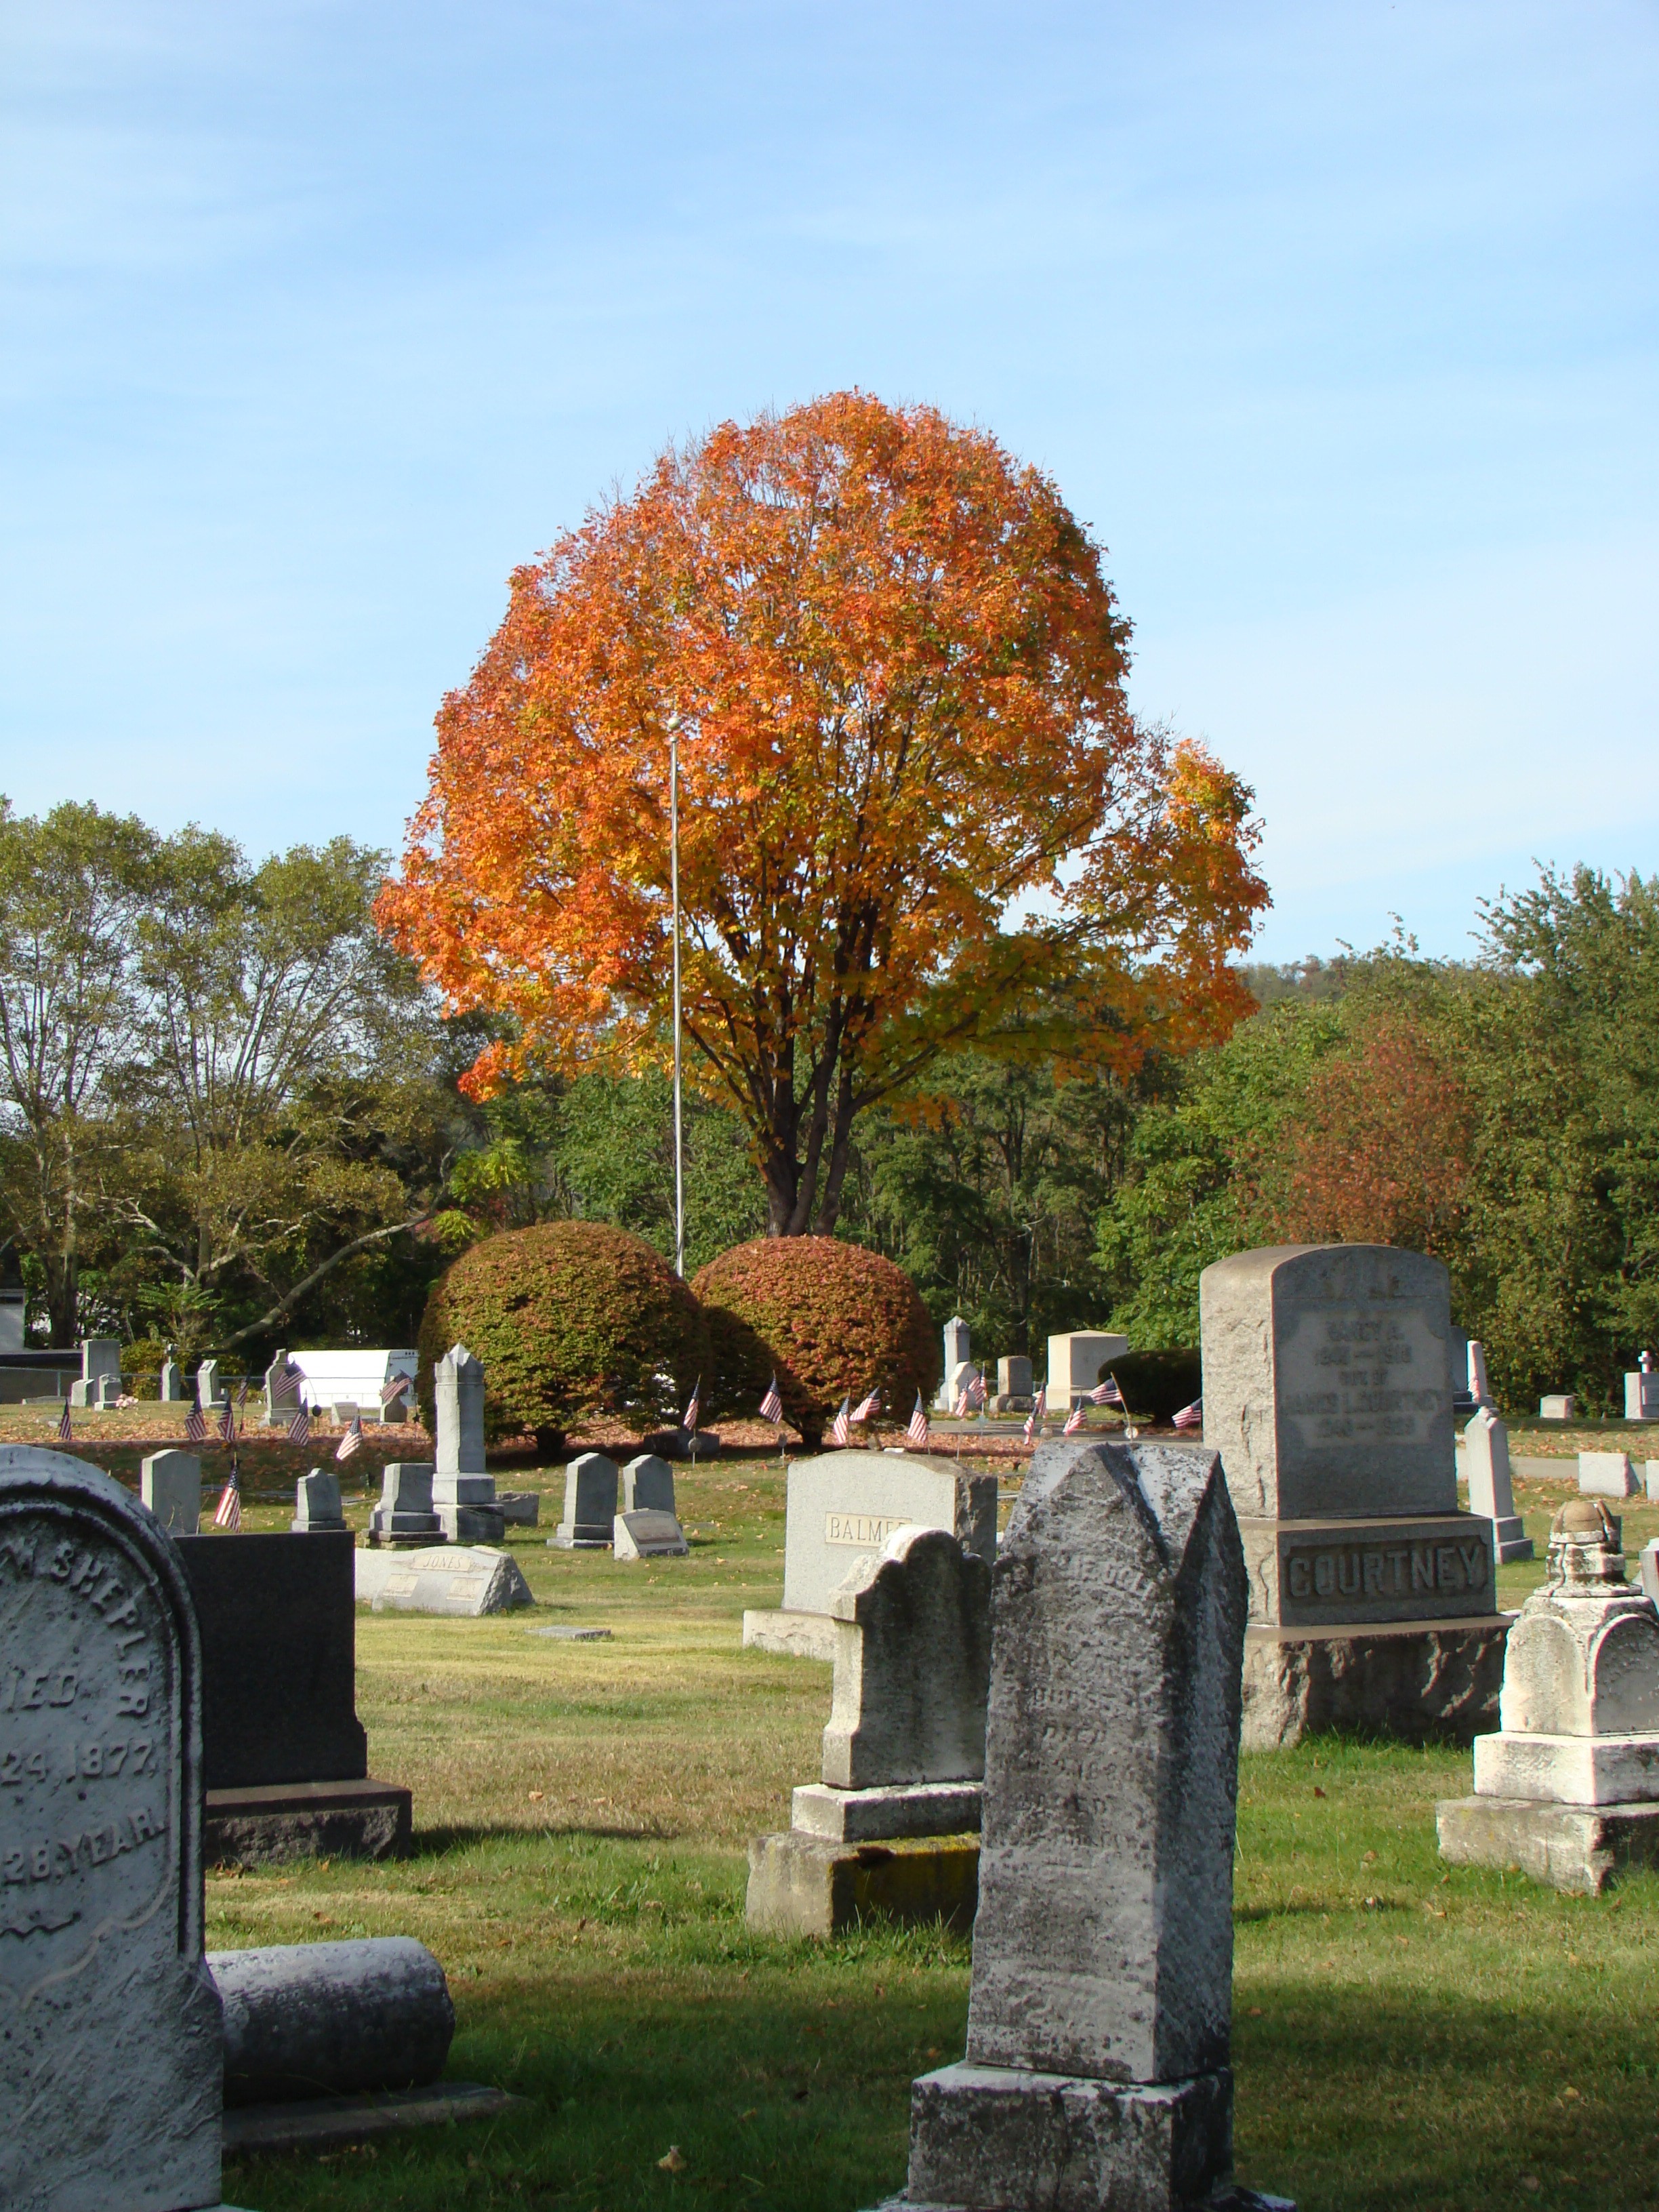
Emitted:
pixel 1576 1848
pixel 1433 1680
pixel 456 1581
pixel 322 2123
pixel 875 1816
pixel 268 1823
pixel 801 1885
pixel 1007 2137
pixel 788 1635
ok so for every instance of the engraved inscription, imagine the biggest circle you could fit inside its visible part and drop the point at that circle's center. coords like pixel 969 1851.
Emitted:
pixel 1351 1573
pixel 1352 1376
pixel 87 1718
pixel 868 1531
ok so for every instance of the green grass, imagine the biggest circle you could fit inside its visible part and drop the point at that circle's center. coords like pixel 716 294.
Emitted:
pixel 1404 2034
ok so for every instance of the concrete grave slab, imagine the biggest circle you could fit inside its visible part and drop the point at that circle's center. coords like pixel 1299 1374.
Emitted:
pixel 467 1582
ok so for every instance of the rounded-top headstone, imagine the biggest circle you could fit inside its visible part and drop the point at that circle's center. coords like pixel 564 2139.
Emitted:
pixel 110 2064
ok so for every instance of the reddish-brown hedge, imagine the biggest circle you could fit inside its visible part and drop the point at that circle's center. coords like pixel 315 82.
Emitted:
pixel 570 1317
pixel 829 1319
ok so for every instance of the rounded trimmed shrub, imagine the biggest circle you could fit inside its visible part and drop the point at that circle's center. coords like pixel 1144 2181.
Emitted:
pixel 569 1318
pixel 1157 1385
pixel 829 1319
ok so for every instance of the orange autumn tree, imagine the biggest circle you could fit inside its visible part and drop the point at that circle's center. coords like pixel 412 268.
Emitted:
pixel 912 791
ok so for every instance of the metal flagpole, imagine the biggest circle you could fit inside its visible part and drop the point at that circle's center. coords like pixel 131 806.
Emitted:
pixel 674 882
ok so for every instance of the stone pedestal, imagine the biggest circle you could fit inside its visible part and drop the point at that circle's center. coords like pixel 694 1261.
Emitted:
pixel 1425 1681
pixel 801 1885
pixel 467 1509
pixel 1569 1786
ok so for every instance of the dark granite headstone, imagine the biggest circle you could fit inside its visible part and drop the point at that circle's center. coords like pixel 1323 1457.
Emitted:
pixel 278 1619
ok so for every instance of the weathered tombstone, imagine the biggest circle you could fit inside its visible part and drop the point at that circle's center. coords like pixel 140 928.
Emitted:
pixel 109 1393
pixel 958 1354
pixel 1606 1474
pixel 281 1391
pixel 101 1357
pixel 649 1534
pixel 1075 1361
pixel 110 2064
pixel 1558 1405
pixel 285 1757
pixel 647 1485
pixel 170 1484
pixel 519 1509
pixel 405 1518
pixel 455 1580
pixel 590 1506
pixel 317 1503
pixel 1642 1391
pixel 1326 1391
pixel 463 1494
pixel 1099 2016
pixel 903 1752
pixel 1014 1377
pixel 171 1389
pixel 1569 1786
pixel 307 2020
pixel 1492 1492
pixel 207 1384
pixel 845 1505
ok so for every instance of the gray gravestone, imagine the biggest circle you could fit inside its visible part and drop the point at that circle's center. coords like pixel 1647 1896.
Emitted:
pixel 649 1534
pixel 958 1342
pixel 317 1503
pixel 1328 1392
pixel 647 1485
pixel 1606 1474
pixel 463 1494
pixel 590 1506
pixel 170 1484
pixel 1014 1377
pixel 1077 1358
pixel 111 2064
pixel 171 1389
pixel 101 1357
pixel 1099 2013
pixel 207 1384
pixel 458 1389
pixel 108 1390
pixel 281 1391
pixel 455 1579
pixel 913 1661
pixel 404 1514
pixel 1492 1491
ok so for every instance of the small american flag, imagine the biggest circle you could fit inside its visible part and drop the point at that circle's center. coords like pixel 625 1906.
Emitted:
pixel 975 1393
pixel 1074 1420
pixel 1034 1419
pixel 241 1394
pixel 917 1431
pixel 229 1512
pixel 392 1389
pixel 299 1429
pixel 196 1424
pixel 841 1431
pixel 868 1407
pixel 771 1405
pixel 349 1441
pixel 227 1422
pixel 65 1428
pixel 1191 1417
pixel 689 1423
pixel 1107 1392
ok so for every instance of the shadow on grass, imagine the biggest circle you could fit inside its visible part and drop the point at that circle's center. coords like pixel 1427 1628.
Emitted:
pixel 436 1842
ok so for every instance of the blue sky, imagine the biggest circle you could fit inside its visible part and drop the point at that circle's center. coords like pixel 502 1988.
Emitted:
pixel 1336 325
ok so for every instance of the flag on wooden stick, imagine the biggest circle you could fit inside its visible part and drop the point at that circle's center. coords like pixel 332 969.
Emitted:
pixel 868 1407
pixel 689 1423
pixel 299 1429
pixel 196 1424
pixel 1191 1417
pixel 771 1405
pixel 229 1512
pixel 917 1431
pixel 1034 1419
pixel 1107 1392
pixel 227 1422
pixel 65 1426
pixel 1073 1419
pixel 351 1440
pixel 841 1431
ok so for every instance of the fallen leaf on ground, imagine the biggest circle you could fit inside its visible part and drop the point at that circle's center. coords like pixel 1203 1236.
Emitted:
pixel 673 2163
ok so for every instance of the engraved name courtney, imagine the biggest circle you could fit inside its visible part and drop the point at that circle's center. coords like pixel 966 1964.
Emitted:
pixel 1363 1570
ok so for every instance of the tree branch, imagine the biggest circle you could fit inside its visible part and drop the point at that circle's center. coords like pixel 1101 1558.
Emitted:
pixel 291 1298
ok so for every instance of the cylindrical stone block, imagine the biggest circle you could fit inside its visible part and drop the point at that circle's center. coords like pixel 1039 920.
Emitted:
pixel 319 2020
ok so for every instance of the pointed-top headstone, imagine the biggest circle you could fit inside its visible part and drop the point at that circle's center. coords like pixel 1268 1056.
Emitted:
pixel 457 1385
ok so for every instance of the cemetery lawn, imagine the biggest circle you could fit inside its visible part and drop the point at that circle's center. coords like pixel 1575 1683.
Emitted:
pixel 1404 2034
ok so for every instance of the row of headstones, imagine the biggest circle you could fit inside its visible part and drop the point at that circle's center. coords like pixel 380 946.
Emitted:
pixel 1076 1357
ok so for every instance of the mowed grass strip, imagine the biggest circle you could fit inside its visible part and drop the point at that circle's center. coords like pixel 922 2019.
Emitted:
pixel 1402 2035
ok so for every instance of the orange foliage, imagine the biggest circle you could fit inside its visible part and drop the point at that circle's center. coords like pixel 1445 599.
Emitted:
pixel 895 669
pixel 1379 1152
